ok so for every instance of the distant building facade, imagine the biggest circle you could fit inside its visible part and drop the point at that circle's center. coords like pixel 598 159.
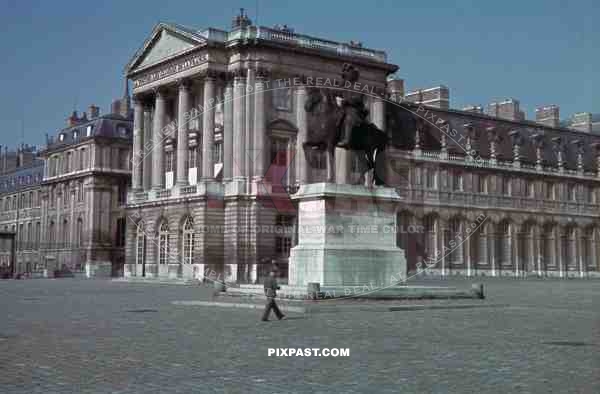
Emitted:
pixel 66 202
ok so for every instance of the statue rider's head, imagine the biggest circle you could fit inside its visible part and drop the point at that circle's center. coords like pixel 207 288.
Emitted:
pixel 350 73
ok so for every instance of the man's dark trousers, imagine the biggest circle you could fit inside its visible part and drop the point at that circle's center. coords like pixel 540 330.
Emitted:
pixel 271 304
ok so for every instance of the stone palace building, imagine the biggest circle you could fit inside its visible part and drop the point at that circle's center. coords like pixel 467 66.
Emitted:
pixel 65 203
pixel 216 151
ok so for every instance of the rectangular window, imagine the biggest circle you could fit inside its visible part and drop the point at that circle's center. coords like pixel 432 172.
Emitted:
pixel 506 186
pixel 278 151
pixel 169 165
pixel 430 181
pixel 571 192
pixel 217 153
pixel 193 157
pixel 482 184
pixel 282 98
pixel 457 181
pixel 124 159
pixel 531 189
pixel 283 246
pixel 68 162
pixel 120 235
pixel 549 192
pixel 122 190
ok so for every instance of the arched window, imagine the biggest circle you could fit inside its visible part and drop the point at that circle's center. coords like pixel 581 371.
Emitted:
pixel 65 233
pixel 51 234
pixel 79 234
pixel 188 241
pixel 140 244
pixel 548 241
pixel 37 234
pixel 29 236
pixel 163 243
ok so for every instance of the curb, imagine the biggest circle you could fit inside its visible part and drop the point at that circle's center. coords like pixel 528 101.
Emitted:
pixel 310 309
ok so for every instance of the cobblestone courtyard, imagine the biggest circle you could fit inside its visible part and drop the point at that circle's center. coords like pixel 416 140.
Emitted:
pixel 82 336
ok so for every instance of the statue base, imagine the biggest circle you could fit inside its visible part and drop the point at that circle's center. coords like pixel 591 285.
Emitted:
pixel 346 237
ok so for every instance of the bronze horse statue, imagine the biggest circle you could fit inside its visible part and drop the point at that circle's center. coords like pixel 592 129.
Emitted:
pixel 328 121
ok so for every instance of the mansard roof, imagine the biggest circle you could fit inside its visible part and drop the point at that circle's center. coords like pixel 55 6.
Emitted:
pixel 22 178
pixel 403 118
pixel 108 126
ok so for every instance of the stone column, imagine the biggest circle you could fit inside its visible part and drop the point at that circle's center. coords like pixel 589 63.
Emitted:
pixel 158 152
pixel 239 138
pixel 208 128
pixel 250 153
pixel 558 251
pixel 183 117
pixel 441 243
pixel 260 152
pixel 302 123
pixel 138 145
pixel 379 121
pixel 467 246
pixel 290 174
pixel 228 131
pixel 579 252
pixel 537 251
pixel 515 248
pixel 492 247
pixel 343 166
pixel 148 148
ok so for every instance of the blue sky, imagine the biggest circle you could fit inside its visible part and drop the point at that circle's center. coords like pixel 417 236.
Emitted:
pixel 65 54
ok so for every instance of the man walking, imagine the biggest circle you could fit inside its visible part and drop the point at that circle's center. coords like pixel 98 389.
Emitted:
pixel 271 288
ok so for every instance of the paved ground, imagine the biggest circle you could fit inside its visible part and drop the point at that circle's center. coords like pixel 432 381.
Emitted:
pixel 100 336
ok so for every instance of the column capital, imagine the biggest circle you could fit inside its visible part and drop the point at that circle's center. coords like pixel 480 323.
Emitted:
pixel 184 84
pixel 239 73
pixel 159 92
pixel 262 73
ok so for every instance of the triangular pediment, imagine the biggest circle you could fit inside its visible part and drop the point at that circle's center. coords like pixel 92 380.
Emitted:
pixel 165 41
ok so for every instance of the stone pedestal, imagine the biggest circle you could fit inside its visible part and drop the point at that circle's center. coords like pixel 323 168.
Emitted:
pixel 346 237
pixel 98 269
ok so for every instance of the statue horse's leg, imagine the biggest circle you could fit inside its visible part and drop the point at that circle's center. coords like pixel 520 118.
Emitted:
pixel 380 163
pixel 330 164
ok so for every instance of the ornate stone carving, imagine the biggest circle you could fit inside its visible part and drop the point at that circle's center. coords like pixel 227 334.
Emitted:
pixel 171 68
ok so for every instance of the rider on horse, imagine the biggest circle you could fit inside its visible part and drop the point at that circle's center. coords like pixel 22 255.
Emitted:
pixel 353 112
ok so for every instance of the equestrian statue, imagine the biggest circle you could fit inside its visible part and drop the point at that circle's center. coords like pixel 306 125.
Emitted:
pixel 338 118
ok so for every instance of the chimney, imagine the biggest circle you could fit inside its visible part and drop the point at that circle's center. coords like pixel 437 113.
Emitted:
pixel 507 109
pixel 125 109
pixel 73 119
pixel 94 111
pixel 438 96
pixel 582 121
pixel 395 89
pixel 548 115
